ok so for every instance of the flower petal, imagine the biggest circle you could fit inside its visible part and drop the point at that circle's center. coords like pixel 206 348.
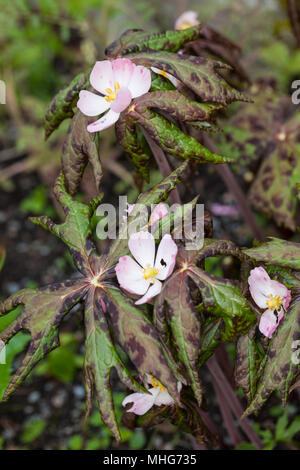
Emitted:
pixel 142 247
pixel 123 70
pixel 104 122
pixel 186 20
pixel 91 104
pixel 153 290
pixel 130 276
pixel 102 76
pixel 158 213
pixel 269 322
pixel 260 286
pixel 142 402
pixel 170 77
pixel 166 257
pixel 163 398
pixel 122 100
pixel 140 82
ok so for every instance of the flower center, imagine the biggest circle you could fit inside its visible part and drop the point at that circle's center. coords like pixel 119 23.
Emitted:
pixel 275 303
pixel 163 73
pixel 150 273
pixel 112 94
pixel 157 384
pixel 184 25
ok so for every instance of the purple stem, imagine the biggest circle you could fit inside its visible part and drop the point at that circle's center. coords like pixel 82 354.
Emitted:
pixel 163 165
pixel 233 401
pixel 233 186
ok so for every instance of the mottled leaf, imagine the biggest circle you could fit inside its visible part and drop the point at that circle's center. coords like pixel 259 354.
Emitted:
pixel 139 339
pixel 100 357
pixel 278 252
pixel 185 326
pixel 200 74
pixel 223 298
pixel 137 40
pixel 43 311
pixel 248 359
pixel 61 106
pixel 279 369
pixel 80 148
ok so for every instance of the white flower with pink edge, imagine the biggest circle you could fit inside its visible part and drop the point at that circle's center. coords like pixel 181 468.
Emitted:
pixel 119 81
pixel 270 294
pixel 158 395
pixel 144 276
pixel 186 20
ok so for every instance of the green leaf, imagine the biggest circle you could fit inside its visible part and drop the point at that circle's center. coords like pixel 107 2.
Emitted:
pixel 200 74
pixel 80 148
pixel 76 231
pixel 33 429
pixel 135 40
pixel 172 140
pixel 185 326
pixel 61 107
pixel 139 339
pixel 278 252
pixel 210 339
pixel 100 357
pixel 248 360
pixel 223 298
pixel 278 369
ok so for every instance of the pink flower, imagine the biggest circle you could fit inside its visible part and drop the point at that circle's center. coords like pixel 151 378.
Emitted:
pixel 158 395
pixel 186 20
pixel 270 294
pixel 119 81
pixel 158 212
pixel 143 277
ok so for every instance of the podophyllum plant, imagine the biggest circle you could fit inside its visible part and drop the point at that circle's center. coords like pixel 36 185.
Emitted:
pixel 158 305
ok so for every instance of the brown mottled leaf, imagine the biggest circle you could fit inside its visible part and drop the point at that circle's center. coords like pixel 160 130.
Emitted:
pixel 185 326
pixel 43 311
pixel 279 370
pixel 139 339
pixel 276 252
pixel 80 147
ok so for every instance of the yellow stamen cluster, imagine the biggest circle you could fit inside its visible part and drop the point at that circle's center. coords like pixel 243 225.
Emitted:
pixel 157 384
pixel 150 273
pixel 184 25
pixel 112 94
pixel 275 303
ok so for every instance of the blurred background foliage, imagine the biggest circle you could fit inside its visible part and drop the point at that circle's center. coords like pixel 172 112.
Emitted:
pixel 43 45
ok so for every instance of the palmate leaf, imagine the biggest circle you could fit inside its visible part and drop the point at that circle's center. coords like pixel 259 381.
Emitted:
pixel 264 139
pixel 80 148
pixel 61 106
pixel 104 305
pixel 135 40
pixel 279 370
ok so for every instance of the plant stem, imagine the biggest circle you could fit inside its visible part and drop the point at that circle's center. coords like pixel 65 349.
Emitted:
pixel 163 165
pixel 233 186
pixel 232 401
